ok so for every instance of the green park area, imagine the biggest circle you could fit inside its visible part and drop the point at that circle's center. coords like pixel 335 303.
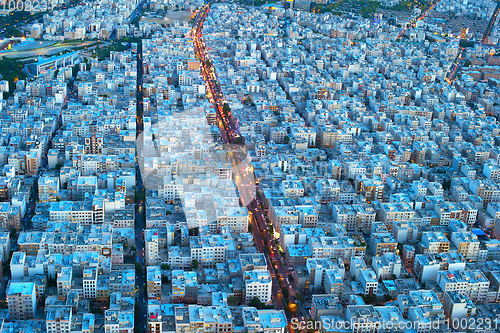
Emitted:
pixel 11 70
pixel 367 8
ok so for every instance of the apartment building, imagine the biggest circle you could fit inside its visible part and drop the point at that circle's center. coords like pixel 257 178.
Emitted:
pixel 64 279
pixel 369 281
pixel 203 319
pixel 342 247
pixel 354 217
pixel 434 242
pixel 122 280
pixel 383 242
pixel 473 284
pixel 151 246
pixel 258 284
pixel 387 266
pixel 184 286
pixel 59 319
pixel 153 278
pixel 48 189
pixel 234 218
pixel 467 244
pixel 209 249
pixel 266 321
pixel 21 300
pixel 90 282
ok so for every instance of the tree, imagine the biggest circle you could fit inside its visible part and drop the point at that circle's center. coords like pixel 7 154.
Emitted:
pixel 256 303
pixel 286 140
pixel 168 212
pixel 271 229
pixel 195 264
pixel 284 290
pixel 231 300
pixel 226 109
pixel 13 32
pixel 138 267
pixel 165 267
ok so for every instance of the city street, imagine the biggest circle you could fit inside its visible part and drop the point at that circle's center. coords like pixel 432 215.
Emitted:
pixel 230 135
pixel 140 223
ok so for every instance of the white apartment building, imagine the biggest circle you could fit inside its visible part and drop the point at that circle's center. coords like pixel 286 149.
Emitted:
pixel 154 282
pixel 426 267
pixel 184 286
pixel 234 218
pixel 396 212
pixel 292 188
pixel 386 266
pixel 172 188
pixel 179 257
pixel 265 321
pixel 354 169
pixel 17 263
pixel 58 319
pixel 328 189
pixel 21 300
pixel 343 247
pixel 317 267
pixel 5 245
pixel 48 188
pixel 434 242
pixel 467 244
pixel 473 284
pixel 258 284
pixel 151 241
pixel 64 279
pixel 90 282
pixel 369 281
pixel 208 250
